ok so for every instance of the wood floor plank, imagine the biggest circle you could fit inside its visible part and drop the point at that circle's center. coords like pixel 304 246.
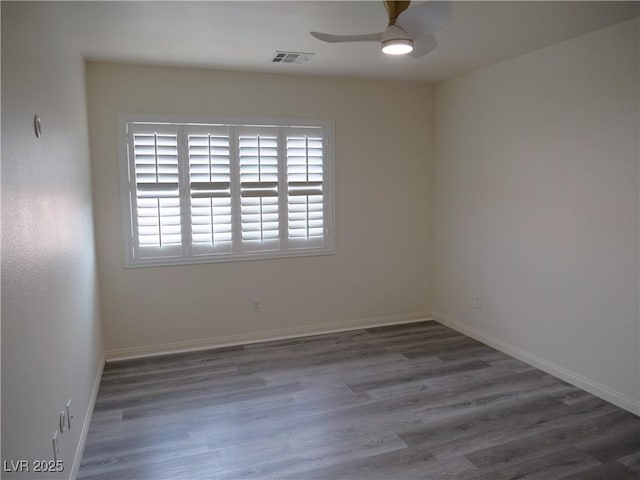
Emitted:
pixel 632 462
pixel 530 447
pixel 474 351
pixel 145 393
pixel 562 463
pixel 499 423
pixel 489 395
pixel 407 463
pixel 624 441
pixel 429 371
pixel 436 347
pixel 199 466
pixel 105 462
pixel 348 369
pixel 167 404
pixel 450 382
pixel 291 454
pixel 249 417
pixel 142 439
pixel 286 419
pixel 608 471
pixel 398 402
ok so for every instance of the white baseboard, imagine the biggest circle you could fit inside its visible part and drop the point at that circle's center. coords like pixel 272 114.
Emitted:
pixel 86 423
pixel 621 400
pixel 279 334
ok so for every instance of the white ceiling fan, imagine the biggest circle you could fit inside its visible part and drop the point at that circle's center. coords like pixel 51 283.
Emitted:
pixel 409 31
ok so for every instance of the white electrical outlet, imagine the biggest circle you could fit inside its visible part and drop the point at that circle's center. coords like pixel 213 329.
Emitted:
pixel 477 303
pixel 69 416
pixel 63 421
pixel 54 442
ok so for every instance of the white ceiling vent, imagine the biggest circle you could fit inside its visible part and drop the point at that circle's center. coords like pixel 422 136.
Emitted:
pixel 291 57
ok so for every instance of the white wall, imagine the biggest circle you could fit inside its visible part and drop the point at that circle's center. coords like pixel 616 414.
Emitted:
pixel 51 333
pixel 536 208
pixel 382 269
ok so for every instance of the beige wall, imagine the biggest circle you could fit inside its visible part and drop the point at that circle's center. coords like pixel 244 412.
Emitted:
pixel 51 333
pixel 536 208
pixel 383 165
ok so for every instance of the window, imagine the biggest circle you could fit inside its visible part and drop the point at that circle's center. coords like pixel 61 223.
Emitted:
pixel 196 192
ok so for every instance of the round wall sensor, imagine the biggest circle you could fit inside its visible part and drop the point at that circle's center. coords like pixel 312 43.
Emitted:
pixel 37 126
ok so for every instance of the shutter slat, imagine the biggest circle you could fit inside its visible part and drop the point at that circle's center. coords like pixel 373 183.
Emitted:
pixel 305 191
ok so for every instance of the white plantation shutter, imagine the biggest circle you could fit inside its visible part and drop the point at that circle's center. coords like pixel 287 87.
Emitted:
pixel 210 189
pixel 305 180
pixel 259 189
pixel 156 203
pixel 196 192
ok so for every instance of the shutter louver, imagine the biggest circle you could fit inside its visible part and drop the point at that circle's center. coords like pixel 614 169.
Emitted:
pixel 210 189
pixel 157 190
pixel 259 190
pixel 305 187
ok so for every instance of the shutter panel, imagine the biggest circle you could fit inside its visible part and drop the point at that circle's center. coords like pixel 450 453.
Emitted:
pixel 305 187
pixel 157 192
pixel 196 192
pixel 210 189
pixel 259 190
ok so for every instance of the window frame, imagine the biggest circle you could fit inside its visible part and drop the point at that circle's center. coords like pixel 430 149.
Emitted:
pixel 127 189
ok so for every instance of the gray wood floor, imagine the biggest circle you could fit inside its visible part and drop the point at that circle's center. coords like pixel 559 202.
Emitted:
pixel 402 402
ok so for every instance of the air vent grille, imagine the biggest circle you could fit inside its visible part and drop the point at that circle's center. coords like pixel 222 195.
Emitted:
pixel 291 57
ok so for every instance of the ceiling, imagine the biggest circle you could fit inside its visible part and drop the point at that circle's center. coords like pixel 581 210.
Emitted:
pixel 243 35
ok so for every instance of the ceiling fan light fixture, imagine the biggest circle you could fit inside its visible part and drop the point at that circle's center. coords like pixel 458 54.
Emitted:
pixel 397 46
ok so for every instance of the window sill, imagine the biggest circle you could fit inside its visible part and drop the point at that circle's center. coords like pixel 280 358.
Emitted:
pixel 170 261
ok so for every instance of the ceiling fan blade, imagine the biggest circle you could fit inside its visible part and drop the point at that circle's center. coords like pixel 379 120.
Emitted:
pixel 425 17
pixel 367 37
pixel 423 45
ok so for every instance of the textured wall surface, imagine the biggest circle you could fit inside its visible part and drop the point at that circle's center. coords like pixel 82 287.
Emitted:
pixel 51 332
pixel 383 191
pixel 537 206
